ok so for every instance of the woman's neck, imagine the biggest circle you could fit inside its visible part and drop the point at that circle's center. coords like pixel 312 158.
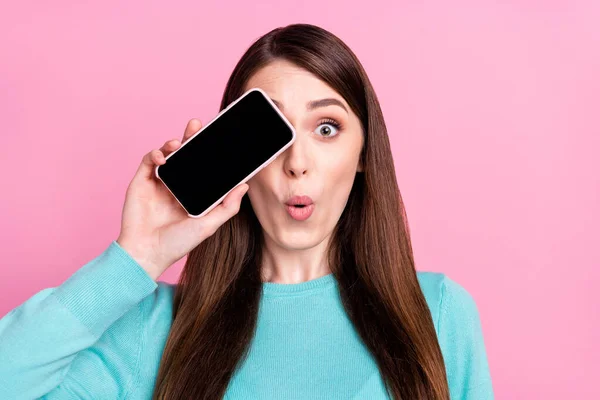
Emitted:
pixel 293 265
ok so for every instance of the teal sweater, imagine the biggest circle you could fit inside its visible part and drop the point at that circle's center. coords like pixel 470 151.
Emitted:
pixel 101 333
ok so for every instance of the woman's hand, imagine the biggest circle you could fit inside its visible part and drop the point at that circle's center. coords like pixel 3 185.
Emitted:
pixel 155 230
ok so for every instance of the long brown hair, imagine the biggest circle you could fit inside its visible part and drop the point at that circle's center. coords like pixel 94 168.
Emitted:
pixel 216 300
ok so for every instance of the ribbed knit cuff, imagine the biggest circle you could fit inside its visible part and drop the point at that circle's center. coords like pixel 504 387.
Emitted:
pixel 105 288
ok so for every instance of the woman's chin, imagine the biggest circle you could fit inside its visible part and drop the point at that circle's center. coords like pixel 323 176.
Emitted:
pixel 298 239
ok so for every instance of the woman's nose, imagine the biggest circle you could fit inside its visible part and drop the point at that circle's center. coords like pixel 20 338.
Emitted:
pixel 296 160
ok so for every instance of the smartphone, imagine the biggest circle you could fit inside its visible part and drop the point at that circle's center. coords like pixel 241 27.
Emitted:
pixel 229 150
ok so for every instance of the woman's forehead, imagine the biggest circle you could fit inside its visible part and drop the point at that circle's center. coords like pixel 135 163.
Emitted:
pixel 290 84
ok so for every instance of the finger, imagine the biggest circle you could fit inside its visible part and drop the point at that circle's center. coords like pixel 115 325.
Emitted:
pixel 230 206
pixel 233 199
pixel 193 126
pixel 149 162
pixel 170 146
pixel 157 156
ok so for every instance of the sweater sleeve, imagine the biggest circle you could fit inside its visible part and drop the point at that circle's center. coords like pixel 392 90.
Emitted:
pixel 461 340
pixel 43 337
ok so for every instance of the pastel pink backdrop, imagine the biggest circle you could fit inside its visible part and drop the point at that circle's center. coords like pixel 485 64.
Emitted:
pixel 493 115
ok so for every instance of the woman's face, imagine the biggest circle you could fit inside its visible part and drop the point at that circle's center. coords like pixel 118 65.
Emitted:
pixel 321 164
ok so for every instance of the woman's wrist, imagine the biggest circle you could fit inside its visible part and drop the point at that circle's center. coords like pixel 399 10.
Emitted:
pixel 141 257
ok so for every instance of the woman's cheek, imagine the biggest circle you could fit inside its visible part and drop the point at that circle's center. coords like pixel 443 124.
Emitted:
pixel 340 166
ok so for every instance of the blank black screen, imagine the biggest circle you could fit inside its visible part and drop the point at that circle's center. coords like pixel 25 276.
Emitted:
pixel 225 152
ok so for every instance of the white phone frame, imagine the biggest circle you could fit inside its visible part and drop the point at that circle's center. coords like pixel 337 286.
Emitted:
pixel 216 203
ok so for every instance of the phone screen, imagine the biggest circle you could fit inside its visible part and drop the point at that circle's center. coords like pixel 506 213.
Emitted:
pixel 225 152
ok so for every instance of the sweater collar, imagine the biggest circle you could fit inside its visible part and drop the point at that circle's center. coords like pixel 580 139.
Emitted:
pixel 271 289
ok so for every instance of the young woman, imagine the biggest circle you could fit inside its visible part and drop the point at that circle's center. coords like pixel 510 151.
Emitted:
pixel 270 304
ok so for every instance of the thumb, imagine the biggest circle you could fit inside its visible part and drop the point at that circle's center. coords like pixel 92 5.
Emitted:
pixel 221 213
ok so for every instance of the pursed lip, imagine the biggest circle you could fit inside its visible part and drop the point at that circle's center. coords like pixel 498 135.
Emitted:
pixel 299 200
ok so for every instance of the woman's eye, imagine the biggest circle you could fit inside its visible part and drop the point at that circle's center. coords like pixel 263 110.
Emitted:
pixel 327 129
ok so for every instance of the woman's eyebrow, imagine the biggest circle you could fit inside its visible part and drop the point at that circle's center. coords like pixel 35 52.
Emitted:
pixel 311 105
pixel 324 103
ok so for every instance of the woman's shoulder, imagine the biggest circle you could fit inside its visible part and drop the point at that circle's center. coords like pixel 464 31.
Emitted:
pixel 460 335
pixel 446 298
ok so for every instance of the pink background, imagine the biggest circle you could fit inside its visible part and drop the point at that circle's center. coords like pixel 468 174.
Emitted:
pixel 493 112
